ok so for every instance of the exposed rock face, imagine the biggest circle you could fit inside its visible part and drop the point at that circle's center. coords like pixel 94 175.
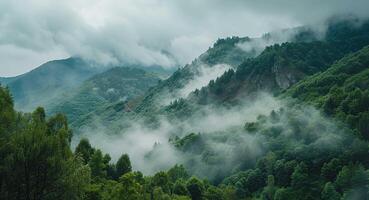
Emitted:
pixel 285 77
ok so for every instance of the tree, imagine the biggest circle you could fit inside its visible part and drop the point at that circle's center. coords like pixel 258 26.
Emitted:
pixel 363 124
pixel 283 171
pixel 329 192
pixel 161 179
pixel 123 165
pixel 299 177
pixel 214 193
pixel 179 188
pixel 7 113
pixel 85 150
pixel 351 176
pixel 158 194
pixel 285 193
pixel 196 188
pixel 130 188
pixel 330 170
pixel 252 181
pixel 270 189
pixel 38 163
pixel 97 165
pixel 177 172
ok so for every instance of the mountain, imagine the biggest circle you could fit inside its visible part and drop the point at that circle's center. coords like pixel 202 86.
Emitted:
pixel 224 54
pixel 116 85
pixel 237 72
pixel 7 80
pixel 306 138
pixel 342 91
pixel 39 86
pixel 280 66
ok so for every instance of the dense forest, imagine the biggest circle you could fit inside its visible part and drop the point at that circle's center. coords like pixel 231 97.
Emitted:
pixel 38 163
pixel 290 121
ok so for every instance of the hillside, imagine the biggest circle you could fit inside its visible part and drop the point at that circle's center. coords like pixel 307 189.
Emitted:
pixel 294 142
pixel 290 151
pixel 41 85
pixel 7 80
pixel 116 85
pixel 247 71
pixel 280 117
pixel 341 91
pixel 280 66
pixel 225 54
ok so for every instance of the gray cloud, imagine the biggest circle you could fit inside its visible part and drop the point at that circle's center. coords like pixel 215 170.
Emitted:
pixel 160 32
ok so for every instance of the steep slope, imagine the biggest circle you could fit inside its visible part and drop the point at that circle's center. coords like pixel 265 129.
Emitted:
pixel 116 85
pixel 280 66
pixel 341 91
pixel 42 84
pixel 225 54
pixel 275 69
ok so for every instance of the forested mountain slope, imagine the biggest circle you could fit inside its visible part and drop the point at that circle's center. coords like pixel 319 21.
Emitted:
pixel 271 147
pixel 47 81
pixel 280 66
pixel 275 69
pixel 305 154
pixel 341 91
pixel 225 54
pixel 116 85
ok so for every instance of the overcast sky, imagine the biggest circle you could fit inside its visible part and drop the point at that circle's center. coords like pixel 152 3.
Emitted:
pixel 143 31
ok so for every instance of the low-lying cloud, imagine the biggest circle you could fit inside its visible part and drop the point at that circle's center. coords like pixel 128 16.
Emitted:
pixel 155 32
pixel 150 149
pixel 225 145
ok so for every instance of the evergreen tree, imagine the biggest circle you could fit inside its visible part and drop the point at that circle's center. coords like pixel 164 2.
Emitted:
pixel 97 165
pixel 330 193
pixel 84 149
pixel 123 165
pixel 196 188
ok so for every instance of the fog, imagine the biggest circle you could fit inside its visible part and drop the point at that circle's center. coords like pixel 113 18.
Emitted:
pixel 223 145
pixel 202 78
pixel 138 140
pixel 154 32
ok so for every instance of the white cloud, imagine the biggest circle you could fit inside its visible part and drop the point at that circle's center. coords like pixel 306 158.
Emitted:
pixel 145 31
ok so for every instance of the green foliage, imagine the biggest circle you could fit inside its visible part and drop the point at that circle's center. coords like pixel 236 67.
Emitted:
pixel 119 84
pixel 330 170
pixel 180 188
pixel 123 165
pixel 130 188
pixel 196 188
pixel 36 161
pixel 341 91
pixel 299 177
pixel 177 172
pixel 97 165
pixel 161 179
pixel 84 149
pixel 330 193
pixel 302 154
pixel 269 191
pixel 45 83
pixel 7 114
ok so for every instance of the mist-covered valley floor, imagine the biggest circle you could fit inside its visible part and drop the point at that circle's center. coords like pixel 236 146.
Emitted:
pixel 276 116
